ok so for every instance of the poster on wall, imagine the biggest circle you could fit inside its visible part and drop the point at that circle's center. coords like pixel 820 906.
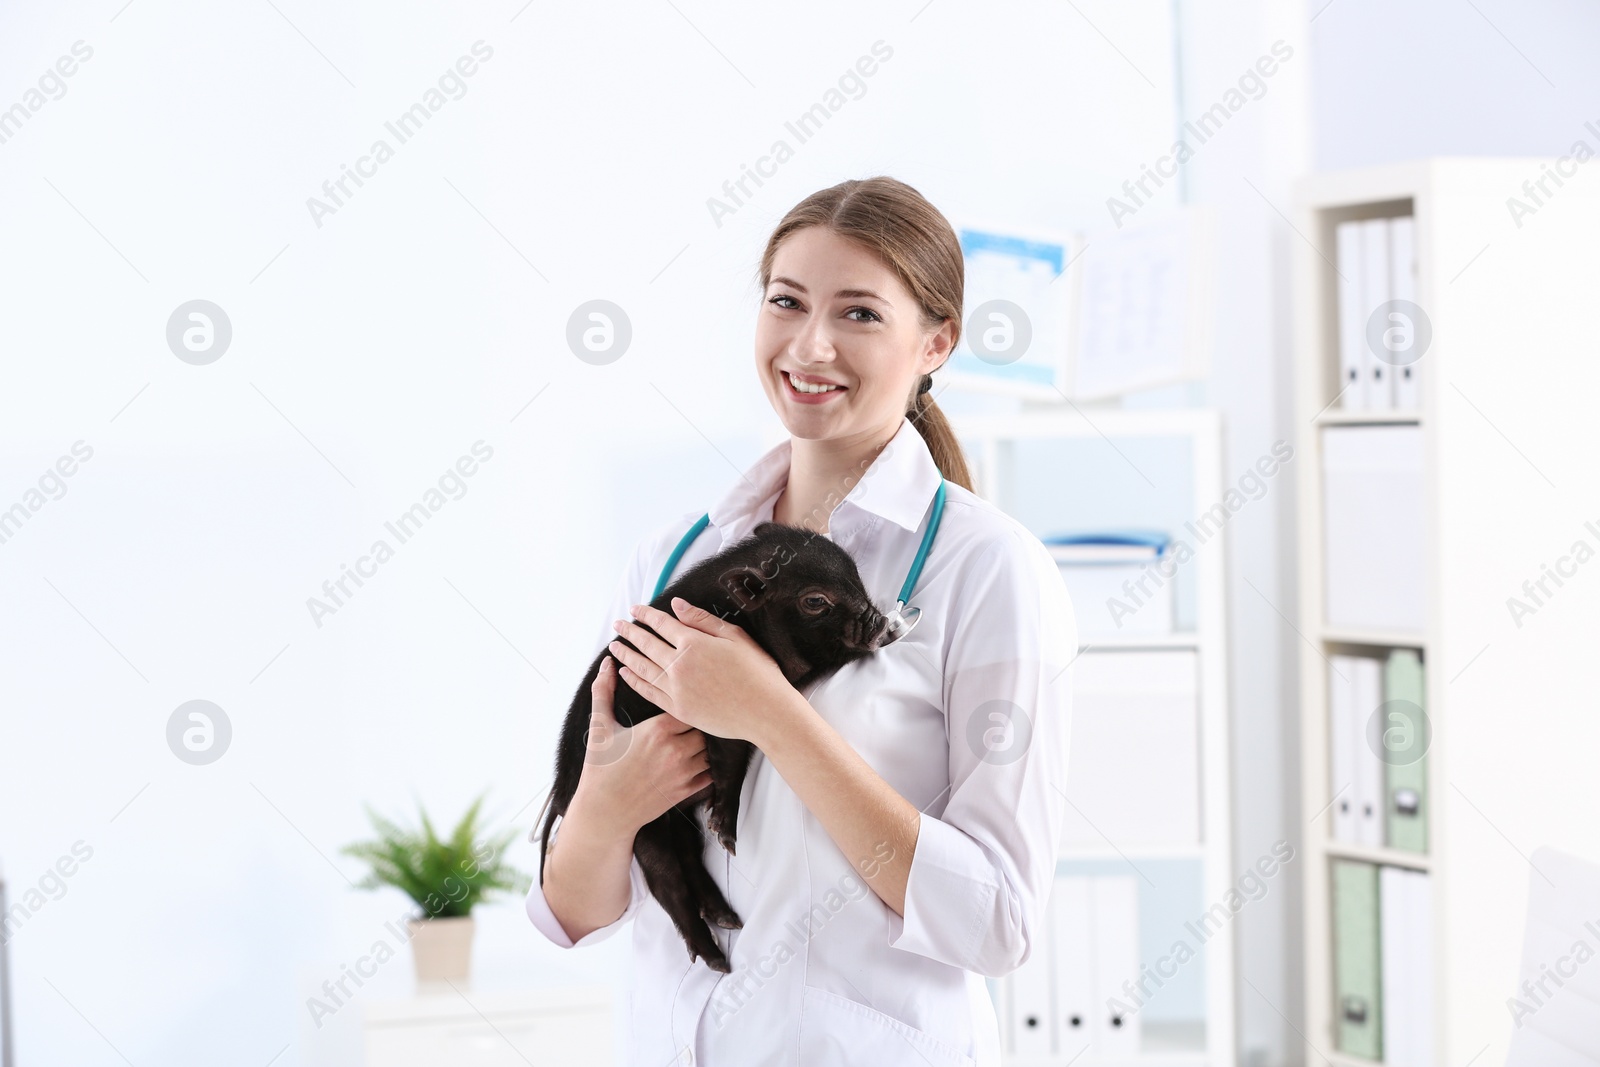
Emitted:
pixel 1087 316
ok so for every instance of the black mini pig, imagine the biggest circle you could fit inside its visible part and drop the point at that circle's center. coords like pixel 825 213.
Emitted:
pixel 798 595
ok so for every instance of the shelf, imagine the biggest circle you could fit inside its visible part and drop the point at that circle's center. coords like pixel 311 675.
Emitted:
pixel 1075 853
pixel 1213 1041
pixel 1143 1059
pixel 1342 1059
pixel 1343 635
pixel 1388 857
pixel 1139 642
pixel 1370 418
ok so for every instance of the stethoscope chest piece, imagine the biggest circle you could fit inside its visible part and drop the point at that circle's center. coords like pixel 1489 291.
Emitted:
pixel 902 620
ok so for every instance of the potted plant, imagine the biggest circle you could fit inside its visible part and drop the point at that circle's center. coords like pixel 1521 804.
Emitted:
pixel 446 877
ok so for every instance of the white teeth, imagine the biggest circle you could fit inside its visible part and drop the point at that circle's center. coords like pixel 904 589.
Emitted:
pixel 808 387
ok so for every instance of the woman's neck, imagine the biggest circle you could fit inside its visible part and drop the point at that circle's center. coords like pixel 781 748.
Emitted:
pixel 822 473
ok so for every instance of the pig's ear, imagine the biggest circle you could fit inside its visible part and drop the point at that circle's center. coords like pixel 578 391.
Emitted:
pixel 767 529
pixel 744 585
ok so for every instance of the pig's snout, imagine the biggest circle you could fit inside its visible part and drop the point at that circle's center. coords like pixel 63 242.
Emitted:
pixel 869 631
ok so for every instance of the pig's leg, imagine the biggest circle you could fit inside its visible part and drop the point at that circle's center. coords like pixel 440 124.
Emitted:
pixel 691 845
pixel 728 762
pixel 659 847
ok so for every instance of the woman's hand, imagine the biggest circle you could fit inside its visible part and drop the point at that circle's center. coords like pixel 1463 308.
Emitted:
pixel 704 670
pixel 632 775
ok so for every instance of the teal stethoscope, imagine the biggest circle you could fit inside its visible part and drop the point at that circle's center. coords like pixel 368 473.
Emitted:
pixel 901 619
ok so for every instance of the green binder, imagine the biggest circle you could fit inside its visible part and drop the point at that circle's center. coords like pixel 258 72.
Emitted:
pixel 1406 766
pixel 1357 968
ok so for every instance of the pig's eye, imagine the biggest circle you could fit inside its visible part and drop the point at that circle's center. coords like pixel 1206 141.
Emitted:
pixel 814 603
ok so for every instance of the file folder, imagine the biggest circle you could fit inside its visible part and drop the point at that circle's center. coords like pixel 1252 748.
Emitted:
pixel 1369 765
pixel 1420 892
pixel 1031 1002
pixel 1406 778
pixel 1374 293
pixel 1342 789
pixel 1358 1007
pixel 1352 325
pixel 1115 906
pixel 1403 286
pixel 1406 916
pixel 1073 938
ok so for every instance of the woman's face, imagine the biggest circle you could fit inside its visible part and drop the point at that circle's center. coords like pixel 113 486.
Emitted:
pixel 834 315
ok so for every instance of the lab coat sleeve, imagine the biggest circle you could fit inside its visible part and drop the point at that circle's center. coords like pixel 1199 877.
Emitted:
pixel 545 921
pixel 984 863
pixel 634 587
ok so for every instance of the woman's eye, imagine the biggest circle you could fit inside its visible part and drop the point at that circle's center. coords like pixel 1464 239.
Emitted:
pixel 781 297
pixel 868 311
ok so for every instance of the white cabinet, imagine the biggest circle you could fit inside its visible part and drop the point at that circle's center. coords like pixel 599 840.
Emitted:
pixel 502 1028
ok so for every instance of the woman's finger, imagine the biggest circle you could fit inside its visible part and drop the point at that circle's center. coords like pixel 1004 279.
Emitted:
pixel 632 659
pixel 604 689
pixel 645 641
pixel 655 696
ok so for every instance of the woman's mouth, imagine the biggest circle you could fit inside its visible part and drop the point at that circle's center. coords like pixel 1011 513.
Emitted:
pixel 809 392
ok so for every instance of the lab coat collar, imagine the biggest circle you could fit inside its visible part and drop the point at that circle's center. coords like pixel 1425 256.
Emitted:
pixel 898 485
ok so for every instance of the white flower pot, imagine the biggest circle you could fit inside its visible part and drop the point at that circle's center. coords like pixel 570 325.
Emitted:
pixel 441 949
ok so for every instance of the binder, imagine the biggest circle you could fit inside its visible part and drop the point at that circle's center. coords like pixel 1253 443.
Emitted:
pixel 1405 780
pixel 1394 924
pixel 1031 1005
pixel 1405 916
pixel 1369 766
pixel 1421 912
pixel 1403 286
pixel 1352 325
pixel 1374 293
pixel 1115 910
pixel 1342 789
pixel 1073 942
pixel 1357 1008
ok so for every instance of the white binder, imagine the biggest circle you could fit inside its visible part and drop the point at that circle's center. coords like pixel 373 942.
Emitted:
pixel 1352 325
pixel 1403 286
pixel 1405 921
pixel 1374 293
pixel 1115 908
pixel 1073 942
pixel 1370 812
pixel 1420 909
pixel 1031 1003
pixel 1342 789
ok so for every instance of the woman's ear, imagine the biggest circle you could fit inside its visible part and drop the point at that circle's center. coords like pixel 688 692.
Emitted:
pixel 940 344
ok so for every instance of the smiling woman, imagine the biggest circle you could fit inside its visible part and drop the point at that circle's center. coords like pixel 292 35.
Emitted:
pixel 928 771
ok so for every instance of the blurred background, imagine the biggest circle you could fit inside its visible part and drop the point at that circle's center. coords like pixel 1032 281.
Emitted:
pixel 362 347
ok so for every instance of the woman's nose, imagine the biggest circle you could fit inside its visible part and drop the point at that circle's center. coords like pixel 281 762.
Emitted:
pixel 813 345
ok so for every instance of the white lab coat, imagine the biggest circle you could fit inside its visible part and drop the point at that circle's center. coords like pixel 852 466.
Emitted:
pixel 967 717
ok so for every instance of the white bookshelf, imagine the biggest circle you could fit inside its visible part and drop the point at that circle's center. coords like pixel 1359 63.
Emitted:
pixel 1509 392
pixel 1211 1043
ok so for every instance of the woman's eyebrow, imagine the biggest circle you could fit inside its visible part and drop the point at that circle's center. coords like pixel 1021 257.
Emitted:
pixel 850 293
